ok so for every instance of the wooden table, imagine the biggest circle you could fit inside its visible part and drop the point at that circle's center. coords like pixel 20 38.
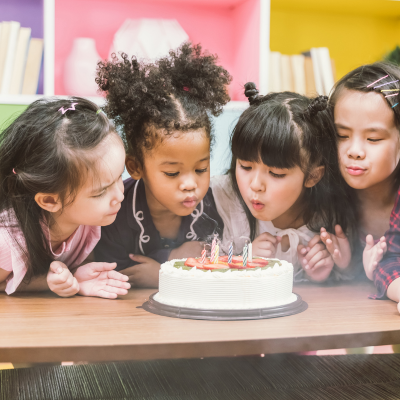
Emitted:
pixel 44 328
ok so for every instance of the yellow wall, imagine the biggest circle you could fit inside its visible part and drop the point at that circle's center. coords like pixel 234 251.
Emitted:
pixel 353 40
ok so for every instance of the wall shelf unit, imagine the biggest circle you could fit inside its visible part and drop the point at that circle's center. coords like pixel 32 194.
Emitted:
pixel 236 30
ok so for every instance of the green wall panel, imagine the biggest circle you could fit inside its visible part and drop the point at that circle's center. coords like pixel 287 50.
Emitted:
pixel 8 112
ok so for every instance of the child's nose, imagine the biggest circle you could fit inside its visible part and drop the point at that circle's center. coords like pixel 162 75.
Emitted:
pixel 257 185
pixel 118 197
pixel 356 151
pixel 188 183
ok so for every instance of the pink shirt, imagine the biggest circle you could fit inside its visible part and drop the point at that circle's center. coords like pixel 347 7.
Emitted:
pixel 72 252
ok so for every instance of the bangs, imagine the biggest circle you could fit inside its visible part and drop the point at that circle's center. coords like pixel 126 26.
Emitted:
pixel 267 134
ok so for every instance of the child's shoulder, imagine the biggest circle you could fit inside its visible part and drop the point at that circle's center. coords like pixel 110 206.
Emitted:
pixel 222 188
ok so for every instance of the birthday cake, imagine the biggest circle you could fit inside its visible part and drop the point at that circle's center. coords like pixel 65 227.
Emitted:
pixel 262 283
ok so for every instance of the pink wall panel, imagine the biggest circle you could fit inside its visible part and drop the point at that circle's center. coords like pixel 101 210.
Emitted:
pixel 247 46
pixel 218 27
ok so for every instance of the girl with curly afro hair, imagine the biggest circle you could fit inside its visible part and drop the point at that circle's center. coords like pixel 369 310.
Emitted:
pixel 163 112
pixel 284 185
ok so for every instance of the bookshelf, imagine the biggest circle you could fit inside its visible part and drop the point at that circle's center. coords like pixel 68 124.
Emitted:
pixel 236 30
pixel 356 32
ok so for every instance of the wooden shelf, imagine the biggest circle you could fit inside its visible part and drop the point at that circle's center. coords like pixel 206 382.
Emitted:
pixel 26 100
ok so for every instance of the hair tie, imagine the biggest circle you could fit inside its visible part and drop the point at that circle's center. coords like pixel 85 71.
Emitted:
pixel 14 171
pixel 185 88
pixel 99 111
pixel 251 92
pixel 318 104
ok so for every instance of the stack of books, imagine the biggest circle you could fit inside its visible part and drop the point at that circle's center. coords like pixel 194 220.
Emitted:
pixel 310 73
pixel 20 59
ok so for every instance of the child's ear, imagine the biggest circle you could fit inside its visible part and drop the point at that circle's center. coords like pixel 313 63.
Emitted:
pixel 49 202
pixel 315 176
pixel 133 167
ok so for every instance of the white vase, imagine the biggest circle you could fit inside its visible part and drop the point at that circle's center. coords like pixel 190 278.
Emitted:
pixel 80 68
pixel 148 39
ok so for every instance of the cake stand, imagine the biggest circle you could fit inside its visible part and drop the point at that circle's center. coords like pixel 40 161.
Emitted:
pixel 155 307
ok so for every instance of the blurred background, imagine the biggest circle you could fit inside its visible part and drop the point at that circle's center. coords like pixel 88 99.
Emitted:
pixel 51 47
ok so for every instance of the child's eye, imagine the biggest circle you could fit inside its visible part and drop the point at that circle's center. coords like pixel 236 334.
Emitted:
pixel 171 173
pixel 342 136
pixel 374 140
pixel 245 168
pixel 277 175
pixel 201 171
pixel 100 195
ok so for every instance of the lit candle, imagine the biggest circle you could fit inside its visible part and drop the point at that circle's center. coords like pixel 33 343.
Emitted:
pixel 230 254
pixel 250 256
pixel 213 244
pixel 245 256
pixel 203 255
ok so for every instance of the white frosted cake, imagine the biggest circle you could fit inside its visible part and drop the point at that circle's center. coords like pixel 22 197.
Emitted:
pixel 224 287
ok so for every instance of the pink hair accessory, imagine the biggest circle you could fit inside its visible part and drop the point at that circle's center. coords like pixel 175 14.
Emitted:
pixel 373 83
pixel 72 108
pixel 383 84
pixel 14 171
pixel 185 88
pixel 390 95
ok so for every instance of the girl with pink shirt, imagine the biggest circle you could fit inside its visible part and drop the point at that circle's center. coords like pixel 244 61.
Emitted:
pixel 61 163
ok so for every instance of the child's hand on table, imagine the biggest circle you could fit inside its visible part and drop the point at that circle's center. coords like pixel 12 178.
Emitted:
pixel 61 281
pixel 372 254
pixel 315 259
pixel 144 274
pixel 338 246
pixel 265 245
pixel 186 250
pixel 99 280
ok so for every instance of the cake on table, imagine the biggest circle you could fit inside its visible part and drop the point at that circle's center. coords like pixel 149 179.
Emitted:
pixel 221 285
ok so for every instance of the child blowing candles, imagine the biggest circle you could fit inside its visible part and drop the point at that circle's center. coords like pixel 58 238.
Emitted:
pixel 60 180
pixel 163 110
pixel 282 184
pixel 367 118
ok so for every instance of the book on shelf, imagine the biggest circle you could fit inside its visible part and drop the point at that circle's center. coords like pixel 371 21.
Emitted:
pixel 10 56
pixel 21 54
pixel 309 73
pixel 275 72
pixel 287 76
pixel 20 59
pixel 33 65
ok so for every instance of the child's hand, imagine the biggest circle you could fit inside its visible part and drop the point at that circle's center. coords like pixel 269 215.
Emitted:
pixel 99 280
pixel 144 274
pixel 372 254
pixel 265 245
pixel 338 246
pixel 61 281
pixel 186 250
pixel 315 259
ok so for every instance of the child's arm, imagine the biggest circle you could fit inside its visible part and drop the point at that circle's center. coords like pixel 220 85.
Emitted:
pixel 146 272
pixel 61 281
pixel 4 275
pixel 338 246
pixel 265 244
pixel 99 279
pixel 393 292
pixel 373 254
pixel 315 259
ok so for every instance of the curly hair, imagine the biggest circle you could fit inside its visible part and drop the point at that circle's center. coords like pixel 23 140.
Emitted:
pixel 175 93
